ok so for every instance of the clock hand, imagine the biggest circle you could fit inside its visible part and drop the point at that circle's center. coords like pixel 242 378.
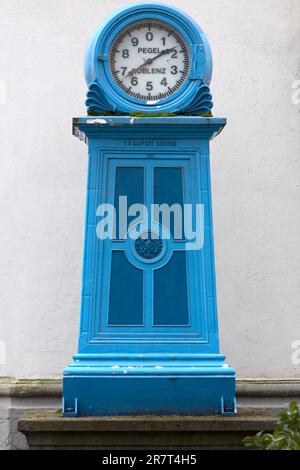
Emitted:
pixel 132 71
pixel 149 61
pixel 164 52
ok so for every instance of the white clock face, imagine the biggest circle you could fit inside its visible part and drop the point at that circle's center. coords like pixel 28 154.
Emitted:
pixel 149 60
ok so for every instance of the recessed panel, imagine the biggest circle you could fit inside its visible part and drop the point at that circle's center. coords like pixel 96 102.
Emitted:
pixel 168 190
pixel 170 293
pixel 129 182
pixel 126 292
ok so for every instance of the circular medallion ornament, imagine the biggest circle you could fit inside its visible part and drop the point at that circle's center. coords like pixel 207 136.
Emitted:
pixel 150 247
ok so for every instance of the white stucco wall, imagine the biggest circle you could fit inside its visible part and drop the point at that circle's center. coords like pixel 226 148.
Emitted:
pixel 255 175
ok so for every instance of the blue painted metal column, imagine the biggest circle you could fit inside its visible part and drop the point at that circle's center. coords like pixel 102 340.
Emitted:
pixel 148 341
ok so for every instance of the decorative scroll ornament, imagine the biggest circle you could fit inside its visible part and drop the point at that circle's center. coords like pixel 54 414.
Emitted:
pixel 201 104
pixel 96 101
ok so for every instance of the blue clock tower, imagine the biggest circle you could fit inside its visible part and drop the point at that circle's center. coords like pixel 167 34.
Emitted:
pixel 148 340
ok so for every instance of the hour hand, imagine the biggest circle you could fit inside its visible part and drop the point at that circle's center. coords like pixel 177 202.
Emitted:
pixel 132 71
pixel 149 61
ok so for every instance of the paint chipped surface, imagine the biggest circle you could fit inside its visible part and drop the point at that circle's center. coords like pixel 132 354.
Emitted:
pixel 97 121
pixel 78 133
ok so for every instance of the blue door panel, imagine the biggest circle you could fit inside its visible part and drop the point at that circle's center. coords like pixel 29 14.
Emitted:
pixel 145 293
pixel 129 181
pixel 170 293
pixel 126 292
pixel 168 189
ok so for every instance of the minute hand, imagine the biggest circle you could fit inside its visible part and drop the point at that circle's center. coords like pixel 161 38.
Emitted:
pixel 149 61
pixel 165 51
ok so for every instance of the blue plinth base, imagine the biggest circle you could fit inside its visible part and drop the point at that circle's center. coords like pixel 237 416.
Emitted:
pixel 204 387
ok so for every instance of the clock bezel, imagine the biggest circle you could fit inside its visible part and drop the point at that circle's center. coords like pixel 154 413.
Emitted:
pixel 144 102
pixel 97 66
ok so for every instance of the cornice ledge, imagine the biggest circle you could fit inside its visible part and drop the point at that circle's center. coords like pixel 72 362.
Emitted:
pixel 52 387
pixel 19 387
pixel 269 388
pixel 195 127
